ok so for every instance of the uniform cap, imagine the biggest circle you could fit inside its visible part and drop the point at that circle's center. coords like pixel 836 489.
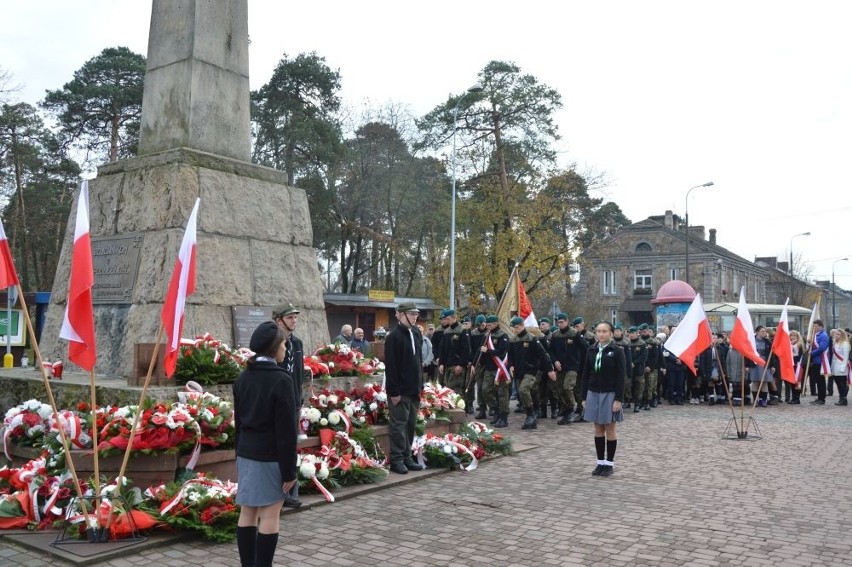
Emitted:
pixel 644 327
pixel 492 319
pixel 633 329
pixel 480 319
pixel 561 316
pixel 544 320
pixel 407 308
pixel 283 311
pixel 577 321
pixel 516 321
pixel 447 313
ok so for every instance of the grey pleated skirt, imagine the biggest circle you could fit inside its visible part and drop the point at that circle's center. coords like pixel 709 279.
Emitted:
pixel 259 483
pixel 598 408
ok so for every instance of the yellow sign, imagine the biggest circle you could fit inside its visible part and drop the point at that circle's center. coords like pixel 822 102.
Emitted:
pixel 381 295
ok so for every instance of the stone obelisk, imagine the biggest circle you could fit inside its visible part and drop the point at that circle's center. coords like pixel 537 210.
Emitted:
pixel 254 233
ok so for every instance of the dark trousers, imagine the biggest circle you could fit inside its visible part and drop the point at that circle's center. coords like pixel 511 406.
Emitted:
pixel 403 419
pixel 842 386
pixel 816 377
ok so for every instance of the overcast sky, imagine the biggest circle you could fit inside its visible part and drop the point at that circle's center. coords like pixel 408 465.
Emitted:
pixel 660 96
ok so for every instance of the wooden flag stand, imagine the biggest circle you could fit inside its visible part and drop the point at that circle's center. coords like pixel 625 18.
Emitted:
pixel 737 430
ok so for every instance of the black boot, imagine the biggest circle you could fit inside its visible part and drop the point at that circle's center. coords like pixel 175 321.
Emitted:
pixel 481 414
pixel 266 544
pixel 542 410
pixel 554 411
pixel 529 422
pixel 637 407
pixel 494 420
pixel 247 544
pixel 502 420
pixel 646 406
pixel 654 402
pixel 492 412
pixel 566 418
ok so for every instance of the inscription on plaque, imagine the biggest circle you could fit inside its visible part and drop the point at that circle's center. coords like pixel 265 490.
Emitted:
pixel 246 320
pixel 116 262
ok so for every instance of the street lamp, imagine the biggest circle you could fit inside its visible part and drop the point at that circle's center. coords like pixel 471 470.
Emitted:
pixel 474 89
pixel 791 248
pixel 686 211
pixel 834 295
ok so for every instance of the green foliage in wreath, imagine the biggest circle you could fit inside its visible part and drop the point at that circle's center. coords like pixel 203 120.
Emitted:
pixel 199 364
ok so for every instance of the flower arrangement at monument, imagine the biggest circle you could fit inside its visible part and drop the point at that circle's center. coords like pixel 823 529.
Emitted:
pixel 161 427
pixel 331 410
pixel 343 360
pixel 26 424
pixel 214 416
pixel 209 361
pixel 448 451
pixel 374 401
pixel 202 504
pixel 317 369
pixel 493 442
pixel 343 462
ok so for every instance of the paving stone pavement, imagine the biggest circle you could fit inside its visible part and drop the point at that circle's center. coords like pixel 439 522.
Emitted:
pixel 680 495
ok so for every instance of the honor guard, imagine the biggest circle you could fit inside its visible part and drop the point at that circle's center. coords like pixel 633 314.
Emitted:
pixel 527 357
pixel 455 354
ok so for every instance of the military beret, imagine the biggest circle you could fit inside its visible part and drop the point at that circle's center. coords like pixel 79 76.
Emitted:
pixel 447 313
pixel 633 329
pixel 466 319
pixel 264 336
pixel 516 321
pixel 480 319
pixel 544 320
pixel 492 319
pixel 283 311
pixel 618 326
pixel 407 307
pixel 644 327
pixel 577 321
pixel 561 316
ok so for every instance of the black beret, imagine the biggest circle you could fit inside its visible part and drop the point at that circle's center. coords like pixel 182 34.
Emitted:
pixel 263 337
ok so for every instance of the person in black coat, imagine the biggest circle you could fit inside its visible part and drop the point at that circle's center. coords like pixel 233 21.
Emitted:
pixel 265 419
pixel 403 383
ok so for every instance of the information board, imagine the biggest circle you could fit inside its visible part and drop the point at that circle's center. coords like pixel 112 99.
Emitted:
pixel 246 319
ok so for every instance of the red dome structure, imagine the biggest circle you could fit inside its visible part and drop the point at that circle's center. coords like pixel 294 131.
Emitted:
pixel 675 291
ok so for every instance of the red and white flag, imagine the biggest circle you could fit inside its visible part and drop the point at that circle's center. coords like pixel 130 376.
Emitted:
pixel 692 336
pixel 8 275
pixel 502 372
pixel 525 310
pixel 742 337
pixel 181 286
pixel 78 326
pixel 783 349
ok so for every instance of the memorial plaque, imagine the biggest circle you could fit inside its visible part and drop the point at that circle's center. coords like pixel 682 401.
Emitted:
pixel 116 262
pixel 246 320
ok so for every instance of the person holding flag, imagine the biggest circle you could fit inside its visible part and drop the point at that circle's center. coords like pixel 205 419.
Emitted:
pixel 760 378
pixel 819 349
pixel 840 364
pixel 793 391
pixel 496 379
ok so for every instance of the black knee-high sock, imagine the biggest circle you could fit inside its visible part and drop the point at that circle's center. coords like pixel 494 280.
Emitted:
pixel 610 449
pixel 599 447
pixel 247 544
pixel 266 544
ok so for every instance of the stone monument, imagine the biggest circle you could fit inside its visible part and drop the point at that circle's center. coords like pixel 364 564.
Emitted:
pixel 255 242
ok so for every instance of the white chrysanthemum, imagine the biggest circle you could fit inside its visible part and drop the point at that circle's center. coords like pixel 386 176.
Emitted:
pixel 381 366
pixel 307 470
pixel 350 411
pixel 314 415
pixel 323 422
pixel 323 472
pixel 447 449
pixel 32 405
pixel 454 449
pixel 460 404
pixel 330 365
pixel 332 399
pixel 382 397
pixel 122 411
pixel 207 415
pixel 374 406
pixel 12 412
pixel 45 411
pixel 334 418
pixel 35 430
pixel 347 401
pixel 361 419
pixel 343 348
pixel 16 421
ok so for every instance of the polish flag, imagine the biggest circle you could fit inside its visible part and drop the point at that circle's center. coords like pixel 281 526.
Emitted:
pixel 783 349
pixel 742 337
pixel 692 336
pixel 8 275
pixel 502 372
pixel 525 310
pixel 78 326
pixel 181 286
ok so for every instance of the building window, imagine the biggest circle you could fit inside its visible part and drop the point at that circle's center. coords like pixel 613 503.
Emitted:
pixel 642 280
pixel 608 286
pixel 613 314
pixel 643 247
pixel 673 274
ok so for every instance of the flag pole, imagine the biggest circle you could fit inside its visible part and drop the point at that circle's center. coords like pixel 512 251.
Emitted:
pixel 762 378
pixel 725 384
pixel 95 459
pixel 66 449
pixel 742 393
pixel 139 407
pixel 504 324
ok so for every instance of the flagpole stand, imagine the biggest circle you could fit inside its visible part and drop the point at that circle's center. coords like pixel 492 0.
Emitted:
pixel 733 432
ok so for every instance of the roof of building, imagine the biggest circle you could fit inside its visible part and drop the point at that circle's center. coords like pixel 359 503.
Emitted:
pixel 755 308
pixel 362 300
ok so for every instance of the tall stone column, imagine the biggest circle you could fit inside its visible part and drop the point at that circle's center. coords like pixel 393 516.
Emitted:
pixel 254 234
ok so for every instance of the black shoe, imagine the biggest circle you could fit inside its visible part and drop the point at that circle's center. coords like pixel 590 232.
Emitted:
pixel 412 466
pixel 637 408
pixel 607 470
pixel 625 405
pixel 566 419
pixel 398 468
pixel 818 402
pixel 292 503
pixel 468 410
pixel 492 412
pixel 494 420
pixel 646 406
pixel 597 471
pixel 480 414
pixel 502 421
pixel 654 403
pixel 542 413
pixel 795 402
pixel 841 402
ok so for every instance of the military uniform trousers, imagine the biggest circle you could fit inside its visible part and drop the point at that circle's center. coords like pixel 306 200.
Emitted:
pixel 638 387
pixel 452 381
pixel 403 419
pixel 565 383
pixel 528 391
pixel 477 387
pixel 651 385
pixel 496 395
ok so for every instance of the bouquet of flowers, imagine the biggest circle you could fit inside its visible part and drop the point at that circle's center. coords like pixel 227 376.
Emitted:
pixel 449 451
pixel 214 416
pixel 160 428
pixel 342 360
pixel 201 504
pixel 209 361
pixel 374 401
pixel 439 398
pixel 313 470
pixel 350 463
pixel 491 441
pixel 316 368
pixel 26 424
pixel 334 410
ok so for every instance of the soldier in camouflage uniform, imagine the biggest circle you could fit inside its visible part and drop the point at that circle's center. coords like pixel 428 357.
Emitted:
pixel 526 357
pixel 546 387
pixel 652 367
pixel 495 389
pixel 578 352
pixel 639 356
pixel 561 348
pixel 477 370
pixel 437 339
pixel 455 354
pixel 619 339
